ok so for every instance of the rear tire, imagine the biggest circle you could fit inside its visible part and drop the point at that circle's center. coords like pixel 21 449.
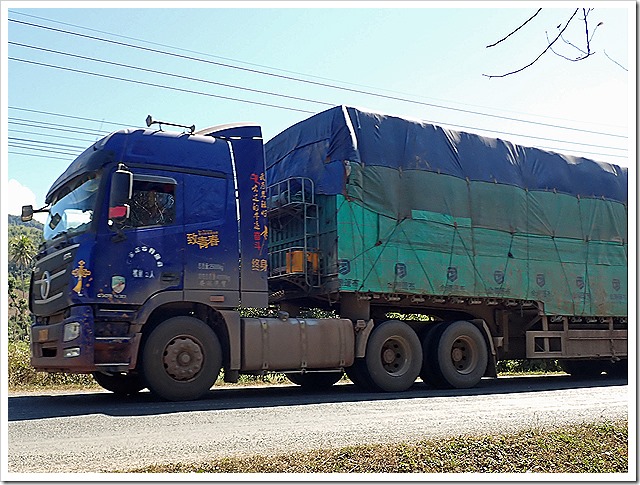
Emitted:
pixel 458 355
pixel 394 356
pixel 315 380
pixel 120 384
pixel 181 359
pixel 428 373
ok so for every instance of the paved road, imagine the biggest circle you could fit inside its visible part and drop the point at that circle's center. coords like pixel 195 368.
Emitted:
pixel 95 432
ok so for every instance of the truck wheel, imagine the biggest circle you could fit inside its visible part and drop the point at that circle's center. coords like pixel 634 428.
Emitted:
pixel 359 375
pixel 120 384
pixel 315 380
pixel 393 357
pixel 458 355
pixel 181 359
pixel 582 368
pixel 428 373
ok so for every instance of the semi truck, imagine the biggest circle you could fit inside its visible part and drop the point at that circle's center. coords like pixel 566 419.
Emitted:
pixel 385 248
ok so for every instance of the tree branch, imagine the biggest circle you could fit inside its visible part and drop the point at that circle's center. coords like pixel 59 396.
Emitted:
pixel 588 39
pixel 615 62
pixel 541 54
pixel 586 29
pixel 514 31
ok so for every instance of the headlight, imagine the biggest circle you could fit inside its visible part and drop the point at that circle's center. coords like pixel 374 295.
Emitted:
pixel 72 352
pixel 71 331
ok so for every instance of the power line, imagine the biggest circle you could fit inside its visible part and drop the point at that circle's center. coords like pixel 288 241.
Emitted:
pixel 289 108
pixel 38 156
pixel 580 153
pixel 290 78
pixel 40 149
pixel 103 61
pixel 12 130
pixel 285 70
pixel 561 150
pixel 54 126
pixel 83 132
pixel 28 140
pixel 179 76
pixel 66 116
pixel 155 85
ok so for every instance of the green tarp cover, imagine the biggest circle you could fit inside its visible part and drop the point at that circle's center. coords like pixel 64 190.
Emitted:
pixel 428 211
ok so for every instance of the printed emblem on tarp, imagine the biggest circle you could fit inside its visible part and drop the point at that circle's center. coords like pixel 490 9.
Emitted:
pixel 118 283
pixel 344 266
pixel 616 284
pixel 498 276
pixel 452 273
pixel 540 280
pixel 401 270
pixel 580 282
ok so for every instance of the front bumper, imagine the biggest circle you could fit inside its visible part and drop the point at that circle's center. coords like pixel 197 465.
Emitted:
pixel 83 353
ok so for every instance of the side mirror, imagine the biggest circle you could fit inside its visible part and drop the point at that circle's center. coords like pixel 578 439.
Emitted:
pixel 120 195
pixel 27 213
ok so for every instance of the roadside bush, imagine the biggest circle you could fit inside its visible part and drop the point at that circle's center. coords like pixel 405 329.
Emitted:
pixel 533 366
pixel 22 375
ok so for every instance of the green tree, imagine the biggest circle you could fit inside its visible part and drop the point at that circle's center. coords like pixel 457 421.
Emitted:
pixel 21 251
pixel 19 316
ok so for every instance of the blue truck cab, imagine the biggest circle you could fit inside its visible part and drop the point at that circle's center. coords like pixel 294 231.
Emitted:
pixel 142 226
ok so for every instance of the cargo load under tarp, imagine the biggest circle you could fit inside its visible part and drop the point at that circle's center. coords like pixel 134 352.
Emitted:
pixel 430 211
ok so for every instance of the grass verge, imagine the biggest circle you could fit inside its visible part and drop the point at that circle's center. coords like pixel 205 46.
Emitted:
pixel 23 377
pixel 586 448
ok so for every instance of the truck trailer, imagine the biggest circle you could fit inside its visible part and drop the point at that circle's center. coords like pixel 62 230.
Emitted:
pixel 383 247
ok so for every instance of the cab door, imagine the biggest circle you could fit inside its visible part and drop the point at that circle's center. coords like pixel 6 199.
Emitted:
pixel 143 256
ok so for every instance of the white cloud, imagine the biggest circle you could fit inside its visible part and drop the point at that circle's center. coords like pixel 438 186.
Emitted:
pixel 19 195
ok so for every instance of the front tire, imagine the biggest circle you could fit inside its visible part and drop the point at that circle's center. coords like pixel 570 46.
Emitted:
pixel 181 359
pixel 120 384
pixel 393 357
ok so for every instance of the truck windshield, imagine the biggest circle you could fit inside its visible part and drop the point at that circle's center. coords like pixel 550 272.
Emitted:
pixel 72 211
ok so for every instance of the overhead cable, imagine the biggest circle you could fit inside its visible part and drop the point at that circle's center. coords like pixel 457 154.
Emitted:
pixel 206 54
pixel 155 85
pixel 316 83
pixel 286 107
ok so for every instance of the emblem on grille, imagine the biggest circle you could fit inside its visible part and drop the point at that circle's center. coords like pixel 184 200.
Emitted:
pixel 45 285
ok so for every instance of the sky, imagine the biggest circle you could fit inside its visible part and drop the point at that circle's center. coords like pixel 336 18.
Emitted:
pixel 210 63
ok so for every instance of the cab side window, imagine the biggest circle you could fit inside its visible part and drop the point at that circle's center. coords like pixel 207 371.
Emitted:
pixel 152 204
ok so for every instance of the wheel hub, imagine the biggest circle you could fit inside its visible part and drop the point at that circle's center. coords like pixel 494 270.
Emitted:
pixel 464 355
pixel 457 355
pixel 394 356
pixel 388 356
pixel 183 358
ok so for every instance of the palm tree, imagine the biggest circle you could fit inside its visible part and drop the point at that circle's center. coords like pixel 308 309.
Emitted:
pixel 21 252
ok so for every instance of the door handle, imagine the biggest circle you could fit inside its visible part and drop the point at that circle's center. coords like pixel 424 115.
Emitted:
pixel 169 277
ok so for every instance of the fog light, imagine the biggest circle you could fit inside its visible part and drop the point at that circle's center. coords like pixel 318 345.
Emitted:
pixel 72 352
pixel 71 331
